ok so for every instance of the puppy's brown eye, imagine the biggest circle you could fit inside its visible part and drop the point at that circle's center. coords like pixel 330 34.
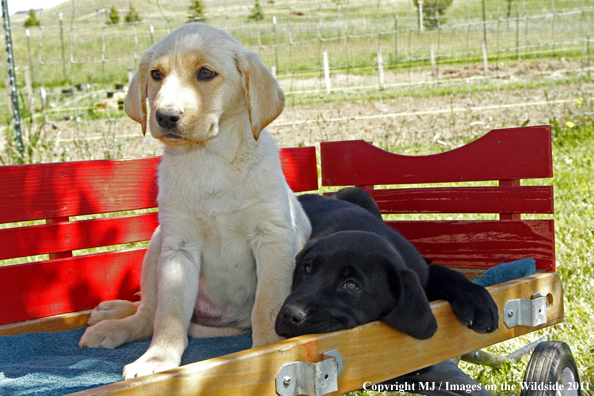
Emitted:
pixel 350 286
pixel 205 74
pixel 307 268
pixel 157 75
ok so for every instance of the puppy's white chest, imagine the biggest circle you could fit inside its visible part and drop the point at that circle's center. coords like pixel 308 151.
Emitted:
pixel 227 274
pixel 201 186
pixel 205 205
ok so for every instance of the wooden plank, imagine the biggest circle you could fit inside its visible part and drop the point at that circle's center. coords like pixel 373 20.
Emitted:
pixel 528 199
pixel 63 322
pixel 73 235
pixel 46 288
pixel 371 353
pixel 481 244
pixel 300 168
pixel 53 255
pixel 512 215
pixel 42 191
pixel 515 153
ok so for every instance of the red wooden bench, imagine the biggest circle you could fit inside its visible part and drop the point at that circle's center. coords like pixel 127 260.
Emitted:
pixel 57 193
pixel 55 291
pixel 505 156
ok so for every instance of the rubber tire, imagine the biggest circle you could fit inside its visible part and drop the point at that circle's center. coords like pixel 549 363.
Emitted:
pixel 547 365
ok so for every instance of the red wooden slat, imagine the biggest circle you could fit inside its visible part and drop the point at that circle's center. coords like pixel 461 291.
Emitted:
pixel 482 244
pixel 528 199
pixel 42 191
pixel 55 254
pixel 511 215
pixel 300 168
pixel 60 237
pixel 516 153
pixel 54 287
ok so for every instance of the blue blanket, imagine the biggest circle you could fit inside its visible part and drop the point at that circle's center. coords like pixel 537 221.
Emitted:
pixel 505 272
pixel 53 364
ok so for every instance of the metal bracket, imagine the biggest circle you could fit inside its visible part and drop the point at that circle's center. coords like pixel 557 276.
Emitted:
pixel 313 379
pixel 522 312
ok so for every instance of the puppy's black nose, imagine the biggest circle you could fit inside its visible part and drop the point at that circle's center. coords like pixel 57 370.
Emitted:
pixel 294 315
pixel 168 117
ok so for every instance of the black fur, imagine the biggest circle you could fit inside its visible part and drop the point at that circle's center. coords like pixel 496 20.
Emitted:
pixel 355 269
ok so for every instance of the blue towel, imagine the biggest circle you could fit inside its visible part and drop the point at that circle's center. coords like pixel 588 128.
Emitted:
pixel 505 272
pixel 53 364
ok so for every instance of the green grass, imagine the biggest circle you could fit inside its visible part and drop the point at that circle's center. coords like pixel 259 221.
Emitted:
pixel 573 162
pixel 102 53
pixel 573 159
pixel 84 50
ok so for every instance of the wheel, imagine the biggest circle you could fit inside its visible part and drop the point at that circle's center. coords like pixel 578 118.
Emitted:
pixel 551 371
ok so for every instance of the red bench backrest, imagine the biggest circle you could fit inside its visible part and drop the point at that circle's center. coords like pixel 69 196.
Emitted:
pixel 505 155
pixel 58 192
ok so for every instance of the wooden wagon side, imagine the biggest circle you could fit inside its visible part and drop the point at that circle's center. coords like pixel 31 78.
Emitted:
pixel 44 295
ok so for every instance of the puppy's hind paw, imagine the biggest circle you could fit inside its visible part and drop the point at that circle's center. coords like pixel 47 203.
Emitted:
pixel 115 309
pixel 106 334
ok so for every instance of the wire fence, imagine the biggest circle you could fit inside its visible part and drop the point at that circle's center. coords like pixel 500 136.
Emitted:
pixel 380 70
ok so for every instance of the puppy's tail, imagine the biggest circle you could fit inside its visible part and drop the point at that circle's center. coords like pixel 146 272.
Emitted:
pixel 359 197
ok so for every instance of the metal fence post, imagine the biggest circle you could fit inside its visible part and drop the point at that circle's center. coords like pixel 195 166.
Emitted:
pixel 421 23
pixel 588 53
pixel 517 32
pixel 275 42
pixel 484 23
pixel 396 38
pixel 63 50
pixel 14 95
pixel 28 34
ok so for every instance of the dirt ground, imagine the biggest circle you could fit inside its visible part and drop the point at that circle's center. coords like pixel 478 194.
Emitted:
pixel 403 121
pixel 404 76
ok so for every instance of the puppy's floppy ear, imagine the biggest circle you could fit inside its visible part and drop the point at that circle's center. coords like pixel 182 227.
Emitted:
pixel 135 102
pixel 412 314
pixel 264 97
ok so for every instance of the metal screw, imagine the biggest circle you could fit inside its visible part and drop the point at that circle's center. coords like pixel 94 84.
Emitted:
pixel 510 313
pixel 287 381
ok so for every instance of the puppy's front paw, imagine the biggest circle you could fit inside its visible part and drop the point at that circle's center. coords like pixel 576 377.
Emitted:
pixel 150 363
pixel 106 334
pixel 115 309
pixel 476 309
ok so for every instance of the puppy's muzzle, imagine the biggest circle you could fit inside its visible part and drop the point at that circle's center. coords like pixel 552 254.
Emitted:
pixel 168 117
pixel 290 320
pixel 293 315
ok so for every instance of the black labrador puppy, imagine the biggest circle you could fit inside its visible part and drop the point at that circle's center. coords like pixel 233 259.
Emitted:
pixel 355 269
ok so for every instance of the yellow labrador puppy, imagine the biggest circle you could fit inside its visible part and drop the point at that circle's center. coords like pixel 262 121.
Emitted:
pixel 221 261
